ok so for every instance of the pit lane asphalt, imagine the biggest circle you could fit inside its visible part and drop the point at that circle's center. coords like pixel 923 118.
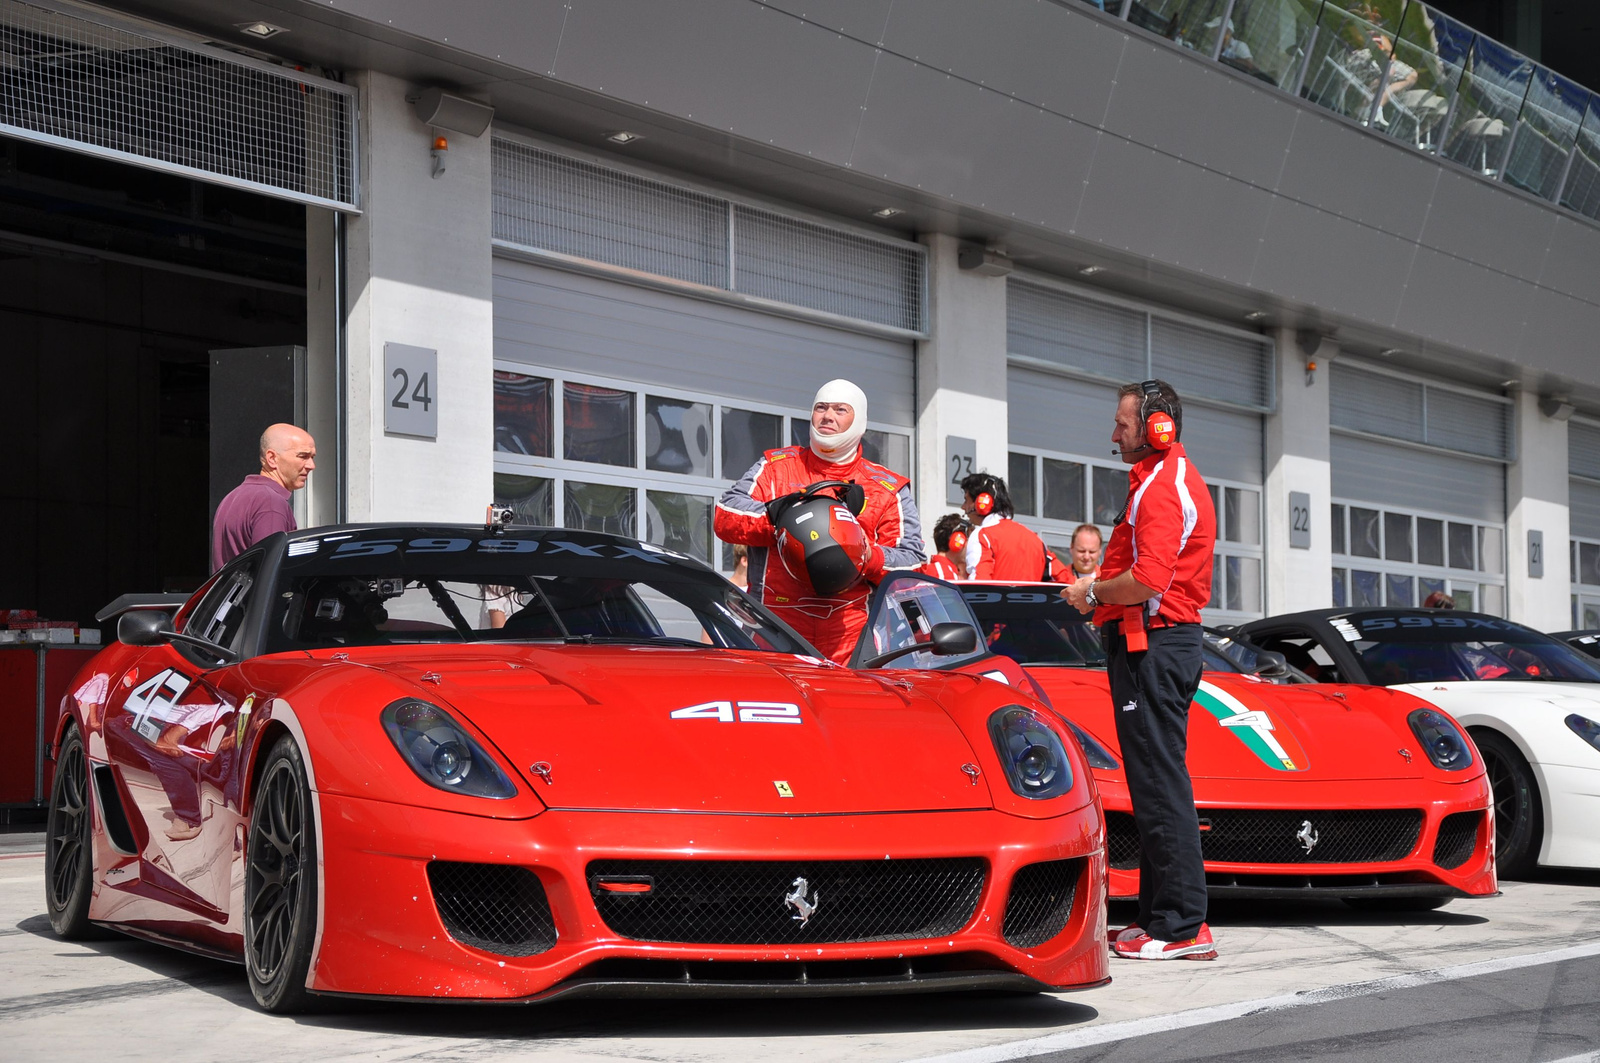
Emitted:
pixel 1293 982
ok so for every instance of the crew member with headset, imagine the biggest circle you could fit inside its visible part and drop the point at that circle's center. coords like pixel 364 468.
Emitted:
pixel 823 524
pixel 950 541
pixel 1154 581
pixel 999 548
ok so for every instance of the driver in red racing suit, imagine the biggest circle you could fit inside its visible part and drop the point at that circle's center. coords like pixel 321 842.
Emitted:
pixel 889 517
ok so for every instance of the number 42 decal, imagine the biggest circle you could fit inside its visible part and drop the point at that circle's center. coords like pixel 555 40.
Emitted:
pixel 749 712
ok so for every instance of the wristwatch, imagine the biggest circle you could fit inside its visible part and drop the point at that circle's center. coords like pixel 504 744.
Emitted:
pixel 1089 597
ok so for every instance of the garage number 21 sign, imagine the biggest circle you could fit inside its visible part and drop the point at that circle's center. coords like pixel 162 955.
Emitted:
pixel 410 390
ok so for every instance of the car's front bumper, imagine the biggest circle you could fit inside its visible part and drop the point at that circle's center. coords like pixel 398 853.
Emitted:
pixel 382 933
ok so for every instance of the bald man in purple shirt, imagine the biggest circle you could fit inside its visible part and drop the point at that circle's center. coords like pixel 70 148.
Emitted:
pixel 260 505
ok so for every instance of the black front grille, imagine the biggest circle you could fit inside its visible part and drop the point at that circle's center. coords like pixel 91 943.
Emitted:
pixel 1122 841
pixel 1041 902
pixel 1276 836
pixel 760 902
pixel 493 907
pixel 1458 836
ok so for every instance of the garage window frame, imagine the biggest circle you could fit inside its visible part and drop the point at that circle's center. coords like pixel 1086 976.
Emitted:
pixel 1486 580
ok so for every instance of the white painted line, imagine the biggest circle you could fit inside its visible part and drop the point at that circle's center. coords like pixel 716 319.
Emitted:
pixel 23 878
pixel 1184 1020
pixel 1585 1057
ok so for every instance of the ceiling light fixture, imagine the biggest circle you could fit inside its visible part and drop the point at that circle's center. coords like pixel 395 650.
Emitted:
pixel 1256 315
pixel 1089 271
pixel 261 30
pixel 1390 352
pixel 622 136
pixel 887 212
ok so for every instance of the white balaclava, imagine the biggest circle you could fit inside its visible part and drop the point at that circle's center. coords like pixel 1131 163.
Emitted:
pixel 840 447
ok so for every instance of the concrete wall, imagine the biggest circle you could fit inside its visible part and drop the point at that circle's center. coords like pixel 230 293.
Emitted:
pixel 1297 460
pixel 1536 500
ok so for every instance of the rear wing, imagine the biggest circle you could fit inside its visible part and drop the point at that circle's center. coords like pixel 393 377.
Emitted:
pixel 127 603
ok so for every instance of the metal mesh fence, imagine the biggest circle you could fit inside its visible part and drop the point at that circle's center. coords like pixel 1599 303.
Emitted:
pixel 113 92
pixel 548 202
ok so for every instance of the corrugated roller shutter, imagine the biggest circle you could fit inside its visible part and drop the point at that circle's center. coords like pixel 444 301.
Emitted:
pixel 89 82
pixel 1053 413
pixel 1469 424
pixel 1094 338
pixel 1207 364
pixel 1583 450
pixel 1368 470
pixel 1368 402
pixel 583 324
pixel 1224 444
pixel 1584 500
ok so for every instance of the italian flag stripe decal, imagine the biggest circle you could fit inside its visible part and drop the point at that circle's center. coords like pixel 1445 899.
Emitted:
pixel 1253 727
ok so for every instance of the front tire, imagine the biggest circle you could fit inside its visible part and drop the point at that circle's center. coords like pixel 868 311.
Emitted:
pixel 1518 812
pixel 280 885
pixel 69 846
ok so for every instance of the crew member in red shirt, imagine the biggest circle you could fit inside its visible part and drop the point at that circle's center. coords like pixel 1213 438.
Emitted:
pixel 889 517
pixel 999 548
pixel 950 540
pixel 1154 581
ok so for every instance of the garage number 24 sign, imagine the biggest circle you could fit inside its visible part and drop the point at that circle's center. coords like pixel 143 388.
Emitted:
pixel 411 384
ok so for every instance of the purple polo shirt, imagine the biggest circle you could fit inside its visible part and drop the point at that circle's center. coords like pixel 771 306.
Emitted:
pixel 249 513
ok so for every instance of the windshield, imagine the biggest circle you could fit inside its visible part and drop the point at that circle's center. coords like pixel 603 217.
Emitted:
pixel 904 611
pixel 1229 653
pixel 1035 627
pixel 1430 648
pixel 384 588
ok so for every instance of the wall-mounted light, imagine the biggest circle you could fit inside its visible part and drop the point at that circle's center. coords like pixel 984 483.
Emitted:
pixel 1556 407
pixel 441 148
pixel 260 30
pixel 982 260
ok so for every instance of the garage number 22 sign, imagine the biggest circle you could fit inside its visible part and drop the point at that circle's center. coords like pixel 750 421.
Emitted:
pixel 411 386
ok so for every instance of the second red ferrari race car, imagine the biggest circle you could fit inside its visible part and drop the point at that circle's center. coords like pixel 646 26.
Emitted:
pixel 1370 795
pixel 331 765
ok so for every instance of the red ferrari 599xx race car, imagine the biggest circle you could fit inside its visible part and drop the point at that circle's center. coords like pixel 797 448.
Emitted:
pixel 1370 795
pixel 331 765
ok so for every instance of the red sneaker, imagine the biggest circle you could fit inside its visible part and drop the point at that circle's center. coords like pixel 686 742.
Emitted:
pixel 1127 933
pixel 1145 947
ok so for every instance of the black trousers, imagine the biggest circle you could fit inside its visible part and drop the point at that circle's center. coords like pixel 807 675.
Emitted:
pixel 1151 692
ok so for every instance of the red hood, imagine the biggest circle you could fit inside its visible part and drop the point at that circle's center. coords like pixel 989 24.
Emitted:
pixel 1289 733
pixel 602 718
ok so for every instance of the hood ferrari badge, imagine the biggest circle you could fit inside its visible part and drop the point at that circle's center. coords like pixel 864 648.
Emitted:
pixel 784 789
pixel 796 899
pixel 1307 836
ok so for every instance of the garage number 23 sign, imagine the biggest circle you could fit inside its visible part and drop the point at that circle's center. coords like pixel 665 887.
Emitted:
pixel 411 386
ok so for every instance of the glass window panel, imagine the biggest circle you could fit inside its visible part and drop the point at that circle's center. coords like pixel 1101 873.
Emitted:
pixel 1430 541
pixel 1492 599
pixel 1063 490
pixel 746 435
pixel 889 449
pixel 1019 478
pixel 1366 588
pixel 1268 41
pixel 1219 597
pixel 1230 509
pixel 1339 592
pixel 1399 590
pixel 679 522
pixel 1349 59
pixel 1247 529
pixel 1489 99
pixel 1423 78
pixel 1338 529
pixel 522 408
pixel 601 508
pixel 1216 507
pixel 1548 128
pixel 1191 23
pixel 1244 584
pixel 1463 595
pixel 1426 587
pixel 1110 494
pixel 1397 536
pixel 1589 563
pixel 597 424
pixel 1491 551
pixel 677 436
pixel 1364 532
pixel 531 497
pixel 1461 552
pixel 799 432
pixel 1590 618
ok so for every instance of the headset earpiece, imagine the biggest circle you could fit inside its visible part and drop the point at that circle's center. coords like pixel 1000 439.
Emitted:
pixel 958 540
pixel 984 503
pixel 1160 430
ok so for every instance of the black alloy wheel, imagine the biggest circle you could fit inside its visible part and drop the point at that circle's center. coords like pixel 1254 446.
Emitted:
pixel 69 851
pixel 1518 813
pixel 280 885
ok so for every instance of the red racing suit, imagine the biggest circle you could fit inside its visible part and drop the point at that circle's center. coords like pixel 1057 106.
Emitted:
pixel 939 567
pixel 889 518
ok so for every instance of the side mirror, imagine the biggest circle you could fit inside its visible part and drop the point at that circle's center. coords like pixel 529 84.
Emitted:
pixel 1271 665
pixel 952 640
pixel 144 627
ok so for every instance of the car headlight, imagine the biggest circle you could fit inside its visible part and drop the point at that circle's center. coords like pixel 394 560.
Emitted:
pixel 1096 754
pixel 1443 741
pixel 1032 754
pixel 441 752
pixel 1585 729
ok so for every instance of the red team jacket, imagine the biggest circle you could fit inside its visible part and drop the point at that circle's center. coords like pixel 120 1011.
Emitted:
pixel 1002 549
pixel 889 517
pixel 939 567
pixel 1166 538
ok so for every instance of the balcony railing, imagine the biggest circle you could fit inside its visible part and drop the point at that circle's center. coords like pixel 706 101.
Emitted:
pixel 1408 72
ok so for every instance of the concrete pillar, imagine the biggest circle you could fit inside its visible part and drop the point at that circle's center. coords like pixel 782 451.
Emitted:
pixel 1536 501
pixel 1297 461
pixel 418 272
pixel 961 375
pixel 324 493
